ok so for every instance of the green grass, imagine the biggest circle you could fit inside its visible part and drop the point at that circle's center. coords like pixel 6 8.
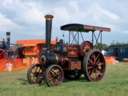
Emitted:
pixel 115 83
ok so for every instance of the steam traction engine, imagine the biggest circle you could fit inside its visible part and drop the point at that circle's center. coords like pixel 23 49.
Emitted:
pixel 69 60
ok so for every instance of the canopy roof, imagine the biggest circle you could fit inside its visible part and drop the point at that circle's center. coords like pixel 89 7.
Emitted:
pixel 83 28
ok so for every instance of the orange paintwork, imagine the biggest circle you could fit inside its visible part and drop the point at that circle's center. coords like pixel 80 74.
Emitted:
pixel 17 64
pixel 33 47
pixel 31 50
pixel 33 42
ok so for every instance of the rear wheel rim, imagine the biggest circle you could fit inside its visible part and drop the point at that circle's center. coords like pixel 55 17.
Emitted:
pixel 95 66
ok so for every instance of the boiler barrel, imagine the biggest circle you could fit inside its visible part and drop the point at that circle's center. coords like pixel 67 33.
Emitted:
pixel 49 58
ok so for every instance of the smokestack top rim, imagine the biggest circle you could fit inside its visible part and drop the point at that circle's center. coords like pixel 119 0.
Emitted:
pixel 8 33
pixel 48 17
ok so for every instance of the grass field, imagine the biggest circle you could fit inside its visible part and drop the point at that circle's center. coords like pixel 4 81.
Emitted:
pixel 115 83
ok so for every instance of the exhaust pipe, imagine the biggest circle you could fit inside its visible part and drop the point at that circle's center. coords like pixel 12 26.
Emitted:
pixel 8 39
pixel 48 25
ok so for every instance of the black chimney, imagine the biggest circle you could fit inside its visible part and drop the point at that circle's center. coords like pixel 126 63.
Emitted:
pixel 8 39
pixel 48 29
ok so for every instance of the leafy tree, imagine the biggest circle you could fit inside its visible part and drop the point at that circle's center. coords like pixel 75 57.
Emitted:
pixel 101 46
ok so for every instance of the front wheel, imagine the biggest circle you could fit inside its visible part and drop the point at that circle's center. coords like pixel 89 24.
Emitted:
pixel 54 75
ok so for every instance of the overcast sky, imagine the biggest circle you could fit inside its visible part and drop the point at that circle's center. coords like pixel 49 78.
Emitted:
pixel 25 18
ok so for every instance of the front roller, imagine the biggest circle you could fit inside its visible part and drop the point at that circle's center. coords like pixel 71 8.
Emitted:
pixel 54 75
pixel 94 65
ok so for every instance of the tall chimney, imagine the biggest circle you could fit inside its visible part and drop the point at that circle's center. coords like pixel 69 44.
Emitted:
pixel 48 25
pixel 8 39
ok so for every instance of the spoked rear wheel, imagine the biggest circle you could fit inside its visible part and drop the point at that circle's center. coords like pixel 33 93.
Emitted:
pixel 54 75
pixel 36 74
pixel 94 65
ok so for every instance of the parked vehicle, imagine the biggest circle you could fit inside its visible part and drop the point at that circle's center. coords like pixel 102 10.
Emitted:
pixel 69 60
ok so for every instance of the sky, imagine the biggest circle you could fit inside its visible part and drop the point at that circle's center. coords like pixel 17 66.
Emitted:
pixel 25 18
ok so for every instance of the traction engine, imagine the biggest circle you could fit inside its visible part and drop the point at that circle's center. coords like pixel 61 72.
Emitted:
pixel 69 60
